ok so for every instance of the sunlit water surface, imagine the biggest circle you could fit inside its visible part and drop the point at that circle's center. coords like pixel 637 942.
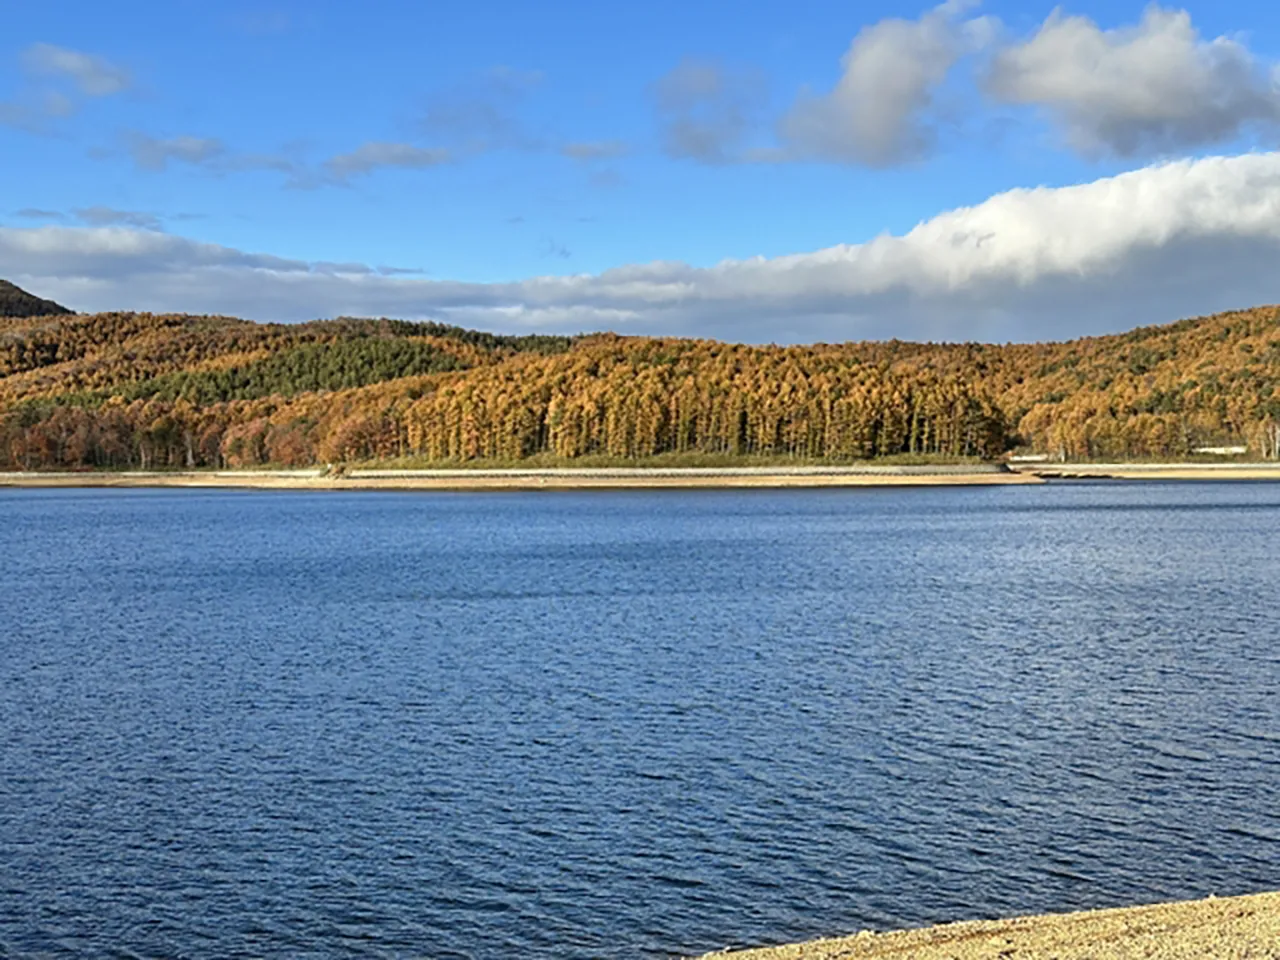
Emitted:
pixel 626 723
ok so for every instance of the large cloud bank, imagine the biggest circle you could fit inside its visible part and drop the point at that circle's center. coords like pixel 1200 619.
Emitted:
pixel 1148 246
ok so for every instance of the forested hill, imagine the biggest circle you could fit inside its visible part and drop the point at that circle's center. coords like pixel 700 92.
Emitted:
pixel 128 390
pixel 16 302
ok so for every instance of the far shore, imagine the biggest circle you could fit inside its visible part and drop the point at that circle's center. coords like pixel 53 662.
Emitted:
pixel 538 479
pixel 1266 470
pixel 869 475
pixel 1224 928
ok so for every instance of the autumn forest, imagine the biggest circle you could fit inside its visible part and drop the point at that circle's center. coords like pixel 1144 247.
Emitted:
pixel 142 391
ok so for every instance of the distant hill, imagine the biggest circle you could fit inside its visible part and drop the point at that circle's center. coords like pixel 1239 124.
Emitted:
pixel 127 390
pixel 16 302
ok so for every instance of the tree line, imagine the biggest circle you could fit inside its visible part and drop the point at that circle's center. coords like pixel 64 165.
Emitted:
pixel 136 390
pixel 617 397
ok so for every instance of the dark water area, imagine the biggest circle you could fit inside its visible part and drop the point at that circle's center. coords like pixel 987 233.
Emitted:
pixel 625 724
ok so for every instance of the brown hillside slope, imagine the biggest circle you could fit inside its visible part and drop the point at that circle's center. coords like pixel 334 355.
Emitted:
pixel 131 389
pixel 113 353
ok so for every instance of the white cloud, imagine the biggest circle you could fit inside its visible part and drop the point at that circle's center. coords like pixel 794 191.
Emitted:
pixel 371 156
pixel 92 75
pixel 877 112
pixel 1151 88
pixel 1148 246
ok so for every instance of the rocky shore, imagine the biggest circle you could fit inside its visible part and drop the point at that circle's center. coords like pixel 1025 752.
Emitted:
pixel 1225 928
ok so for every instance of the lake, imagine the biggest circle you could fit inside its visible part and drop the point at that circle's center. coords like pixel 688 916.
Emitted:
pixel 625 724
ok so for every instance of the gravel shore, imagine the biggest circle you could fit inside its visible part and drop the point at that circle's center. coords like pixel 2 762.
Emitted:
pixel 1226 928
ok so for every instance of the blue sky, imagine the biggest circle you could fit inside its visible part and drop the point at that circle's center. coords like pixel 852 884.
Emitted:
pixel 291 160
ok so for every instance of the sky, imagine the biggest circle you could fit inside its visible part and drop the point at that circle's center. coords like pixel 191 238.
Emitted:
pixel 755 171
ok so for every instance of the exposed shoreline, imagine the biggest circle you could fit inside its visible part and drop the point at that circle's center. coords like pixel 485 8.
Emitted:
pixel 870 475
pixel 1223 928
pixel 538 479
pixel 1266 470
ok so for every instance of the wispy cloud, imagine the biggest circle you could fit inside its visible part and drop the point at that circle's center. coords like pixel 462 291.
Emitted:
pixel 35 213
pixel 93 76
pixel 105 216
pixel 483 113
pixel 111 217
pixel 154 153
pixel 57 81
pixel 214 157
pixel 379 154
pixel 471 118
pixel 706 111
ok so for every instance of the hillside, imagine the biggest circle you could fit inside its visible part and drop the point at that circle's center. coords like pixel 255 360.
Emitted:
pixel 137 390
pixel 16 302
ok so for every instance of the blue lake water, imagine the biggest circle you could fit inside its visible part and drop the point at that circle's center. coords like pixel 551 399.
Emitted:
pixel 625 724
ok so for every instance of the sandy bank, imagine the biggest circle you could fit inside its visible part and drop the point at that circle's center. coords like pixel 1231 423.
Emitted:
pixel 870 475
pixel 622 478
pixel 1223 929
pixel 1152 471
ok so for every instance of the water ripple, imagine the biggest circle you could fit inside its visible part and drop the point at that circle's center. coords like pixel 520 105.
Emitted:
pixel 624 724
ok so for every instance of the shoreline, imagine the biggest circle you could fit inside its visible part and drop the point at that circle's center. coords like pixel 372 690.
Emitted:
pixel 623 478
pixel 1218 927
pixel 645 478
pixel 1266 470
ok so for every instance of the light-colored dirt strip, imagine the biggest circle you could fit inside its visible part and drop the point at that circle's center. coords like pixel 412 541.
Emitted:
pixel 651 477
pixel 1226 928
pixel 845 470
pixel 1269 470
pixel 529 479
